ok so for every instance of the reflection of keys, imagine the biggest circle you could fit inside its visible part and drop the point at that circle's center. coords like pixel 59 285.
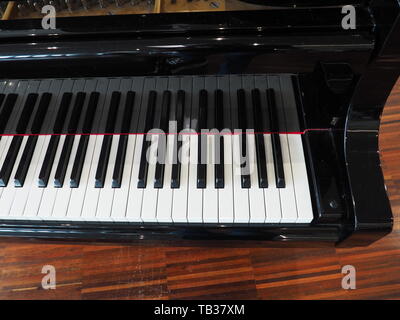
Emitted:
pixel 57 4
pixel 119 3
pixel 54 4
pixel 38 6
pixel 22 9
pixel 85 4
pixel 69 6
pixel 29 4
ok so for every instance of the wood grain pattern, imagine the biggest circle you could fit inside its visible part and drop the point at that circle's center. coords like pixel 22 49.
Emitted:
pixel 197 270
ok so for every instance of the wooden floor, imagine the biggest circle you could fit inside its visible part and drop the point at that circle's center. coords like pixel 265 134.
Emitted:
pixel 232 271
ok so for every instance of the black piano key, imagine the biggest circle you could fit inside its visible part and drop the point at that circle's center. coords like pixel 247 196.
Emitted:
pixel 9 161
pixel 62 112
pixel 259 139
pixel 242 114
pixel 63 163
pixel 54 140
pixel 107 140
pixel 245 174
pixel 90 112
pixel 120 161
pixel 103 162
pixel 25 161
pixel 176 166
pixel 261 161
pixel 113 111
pixel 76 112
pixel 151 105
pixel 79 161
pixel 278 162
pixel 6 110
pixel 219 167
pixel 26 113
pixel 201 167
pixel 219 141
pixel 160 165
pixel 273 113
pixel 180 108
pixel 178 117
pixel 123 140
pixel 129 105
pixel 144 165
pixel 41 113
pixel 202 141
pixel 165 107
pixel 48 161
pixel 275 139
pixel 2 97
pixel 84 140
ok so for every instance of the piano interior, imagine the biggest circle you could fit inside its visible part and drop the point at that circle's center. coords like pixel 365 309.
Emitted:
pixel 195 119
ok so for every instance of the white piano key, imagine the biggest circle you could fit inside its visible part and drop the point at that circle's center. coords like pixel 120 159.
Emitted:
pixel 78 194
pixel 210 194
pixel 135 196
pixel 50 192
pixel 61 203
pixel 22 193
pixel 241 195
pixel 7 197
pixel 149 203
pixel 271 194
pixel 92 194
pixel 256 194
pixel 225 195
pixel 195 195
pixel 165 194
pixel 4 145
pixel 119 204
pixel 288 199
pixel 180 195
pixel 300 179
pixel 107 192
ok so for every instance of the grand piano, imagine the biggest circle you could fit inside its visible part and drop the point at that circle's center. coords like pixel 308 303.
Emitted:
pixel 196 119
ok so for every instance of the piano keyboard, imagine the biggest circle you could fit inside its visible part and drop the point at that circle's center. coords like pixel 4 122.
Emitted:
pixel 85 150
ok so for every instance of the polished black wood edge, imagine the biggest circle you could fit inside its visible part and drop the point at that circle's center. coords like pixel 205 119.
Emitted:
pixel 278 41
pixel 325 178
pixel 200 55
pixel 281 21
pixel 137 231
pixel 372 212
